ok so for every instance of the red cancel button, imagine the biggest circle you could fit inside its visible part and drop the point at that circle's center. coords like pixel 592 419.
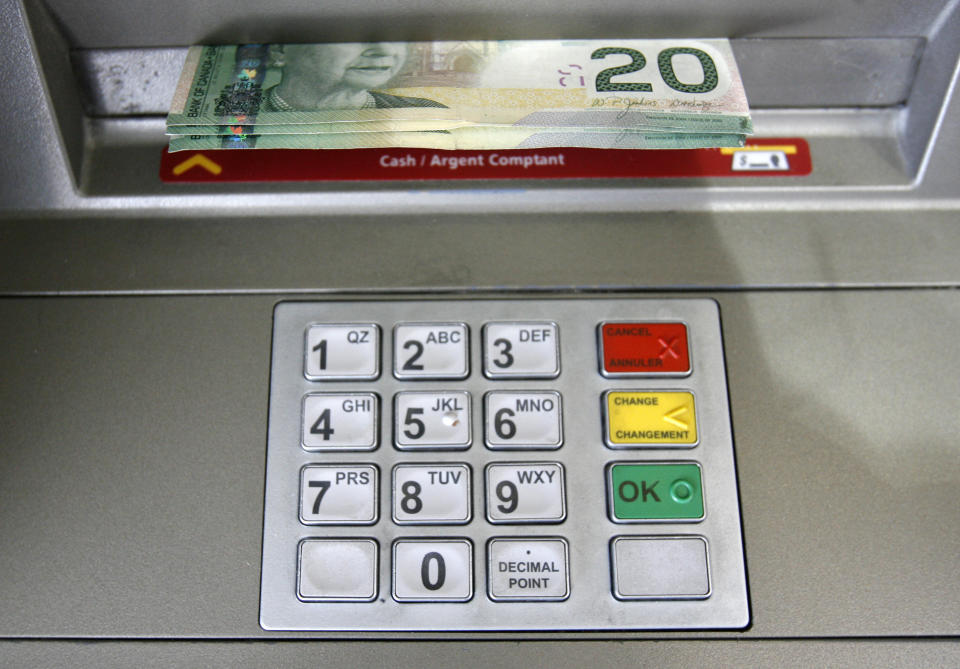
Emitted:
pixel 650 349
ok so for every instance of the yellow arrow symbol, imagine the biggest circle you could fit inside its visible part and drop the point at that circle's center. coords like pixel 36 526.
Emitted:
pixel 671 417
pixel 197 159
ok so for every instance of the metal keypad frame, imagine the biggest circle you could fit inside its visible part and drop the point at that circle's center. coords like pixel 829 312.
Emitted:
pixel 586 528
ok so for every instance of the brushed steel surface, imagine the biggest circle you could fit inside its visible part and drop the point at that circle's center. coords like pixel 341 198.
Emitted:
pixel 132 465
pixel 907 653
pixel 586 528
pixel 561 251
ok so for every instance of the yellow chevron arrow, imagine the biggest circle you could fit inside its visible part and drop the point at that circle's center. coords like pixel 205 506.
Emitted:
pixel 673 417
pixel 789 149
pixel 193 161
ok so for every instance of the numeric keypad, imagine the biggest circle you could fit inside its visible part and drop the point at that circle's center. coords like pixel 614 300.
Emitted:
pixel 500 465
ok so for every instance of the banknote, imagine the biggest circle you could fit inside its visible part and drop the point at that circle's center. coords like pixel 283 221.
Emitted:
pixel 469 138
pixel 702 124
pixel 658 84
pixel 314 128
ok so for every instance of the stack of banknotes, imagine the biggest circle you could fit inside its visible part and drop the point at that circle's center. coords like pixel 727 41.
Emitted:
pixel 612 94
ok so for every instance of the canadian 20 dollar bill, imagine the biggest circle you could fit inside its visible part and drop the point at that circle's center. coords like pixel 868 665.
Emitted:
pixel 470 89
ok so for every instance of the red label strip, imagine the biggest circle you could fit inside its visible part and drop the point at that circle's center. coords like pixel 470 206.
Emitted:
pixel 762 157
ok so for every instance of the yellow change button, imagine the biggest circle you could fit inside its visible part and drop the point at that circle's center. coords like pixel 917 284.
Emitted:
pixel 645 418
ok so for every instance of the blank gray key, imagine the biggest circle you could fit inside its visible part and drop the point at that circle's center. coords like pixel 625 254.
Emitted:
pixel 660 568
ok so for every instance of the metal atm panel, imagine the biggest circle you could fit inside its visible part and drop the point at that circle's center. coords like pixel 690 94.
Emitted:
pixel 137 324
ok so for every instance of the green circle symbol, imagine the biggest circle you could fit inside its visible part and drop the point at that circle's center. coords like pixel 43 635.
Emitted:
pixel 681 491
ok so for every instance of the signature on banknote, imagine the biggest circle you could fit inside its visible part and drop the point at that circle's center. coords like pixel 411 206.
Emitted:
pixel 624 104
pixel 627 105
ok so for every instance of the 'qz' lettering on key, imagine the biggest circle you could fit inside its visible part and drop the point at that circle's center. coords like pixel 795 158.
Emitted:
pixel 341 351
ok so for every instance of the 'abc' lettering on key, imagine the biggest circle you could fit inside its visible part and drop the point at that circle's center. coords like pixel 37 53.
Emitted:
pixel 431 351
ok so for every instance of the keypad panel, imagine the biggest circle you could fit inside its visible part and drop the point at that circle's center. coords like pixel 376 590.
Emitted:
pixel 562 464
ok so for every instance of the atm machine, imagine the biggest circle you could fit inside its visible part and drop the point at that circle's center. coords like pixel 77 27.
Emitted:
pixel 625 414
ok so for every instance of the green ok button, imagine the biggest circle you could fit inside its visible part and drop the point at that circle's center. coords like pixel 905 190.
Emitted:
pixel 655 491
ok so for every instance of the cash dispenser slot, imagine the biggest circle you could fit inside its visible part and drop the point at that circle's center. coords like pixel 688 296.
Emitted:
pixel 865 96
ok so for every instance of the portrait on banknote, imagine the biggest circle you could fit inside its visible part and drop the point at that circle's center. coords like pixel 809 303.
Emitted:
pixel 337 76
